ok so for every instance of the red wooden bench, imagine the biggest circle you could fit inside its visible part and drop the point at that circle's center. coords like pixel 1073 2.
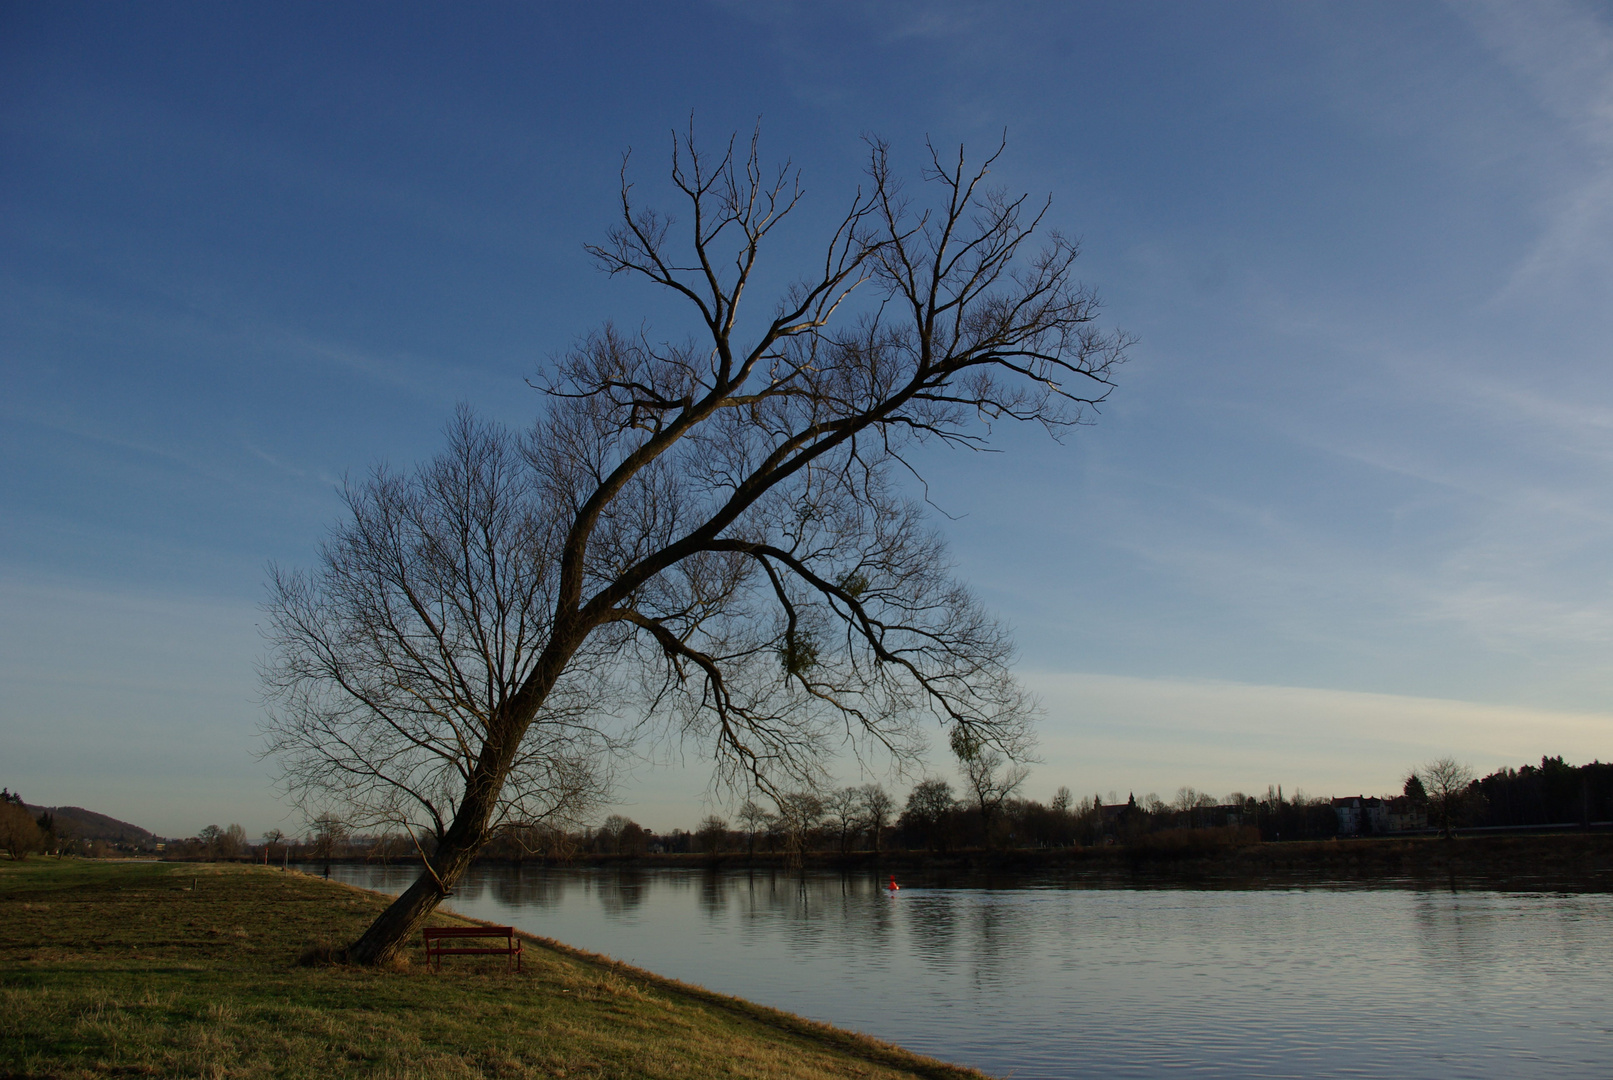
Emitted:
pixel 442 941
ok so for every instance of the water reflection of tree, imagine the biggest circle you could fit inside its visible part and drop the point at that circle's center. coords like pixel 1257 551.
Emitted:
pixel 524 886
pixel 933 927
pixel 769 901
pixel 880 925
pixel 1001 934
pixel 806 910
pixel 470 887
pixel 1460 934
pixel 715 889
pixel 1478 940
pixel 622 893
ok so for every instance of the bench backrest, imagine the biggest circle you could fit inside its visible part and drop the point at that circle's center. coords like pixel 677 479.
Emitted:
pixel 469 931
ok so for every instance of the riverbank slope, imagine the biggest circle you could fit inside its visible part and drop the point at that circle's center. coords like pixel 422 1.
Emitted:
pixel 169 969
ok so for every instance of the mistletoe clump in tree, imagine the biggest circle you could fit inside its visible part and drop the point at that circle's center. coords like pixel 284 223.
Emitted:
pixel 710 536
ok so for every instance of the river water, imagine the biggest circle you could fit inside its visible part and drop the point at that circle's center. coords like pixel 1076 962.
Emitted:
pixel 1047 981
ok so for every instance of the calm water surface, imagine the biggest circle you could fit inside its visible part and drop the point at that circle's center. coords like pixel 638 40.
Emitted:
pixel 1060 982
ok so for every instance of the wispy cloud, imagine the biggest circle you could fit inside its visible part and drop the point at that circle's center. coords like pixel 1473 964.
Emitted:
pixel 1562 54
pixel 1476 453
pixel 225 332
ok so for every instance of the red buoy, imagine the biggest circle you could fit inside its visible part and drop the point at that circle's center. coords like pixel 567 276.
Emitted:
pixel 893 886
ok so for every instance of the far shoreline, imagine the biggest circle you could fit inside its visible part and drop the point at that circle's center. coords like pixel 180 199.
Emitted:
pixel 1580 860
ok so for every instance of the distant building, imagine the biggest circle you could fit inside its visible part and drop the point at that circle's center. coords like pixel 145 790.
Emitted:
pixel 1115 820
pixel 1359 814
pixel 1120 813
pixel 1406 815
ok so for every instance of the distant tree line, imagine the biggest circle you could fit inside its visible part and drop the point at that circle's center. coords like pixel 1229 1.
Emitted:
pixel 936 817
pixel 988 813
pixel 1552 793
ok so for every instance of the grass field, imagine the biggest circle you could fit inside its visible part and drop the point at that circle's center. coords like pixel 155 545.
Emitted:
pixel 157 969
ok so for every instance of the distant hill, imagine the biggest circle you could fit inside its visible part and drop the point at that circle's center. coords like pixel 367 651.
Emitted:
pixel 82 824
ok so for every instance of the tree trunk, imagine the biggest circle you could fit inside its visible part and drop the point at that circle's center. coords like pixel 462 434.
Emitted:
pixel 388 935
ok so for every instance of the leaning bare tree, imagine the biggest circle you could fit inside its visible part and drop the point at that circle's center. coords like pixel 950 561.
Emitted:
pixel 709 535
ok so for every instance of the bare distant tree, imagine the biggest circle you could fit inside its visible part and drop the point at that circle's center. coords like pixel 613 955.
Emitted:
pixel 754 818
pixel 991 781
pixel 330 833
pixel 1445 782
pixel 223 843
pixel 634 839
pixel 1188 801
pixel 877 808
pixel 610 834
pixel 799 813
pixel 843 809
pixel 712 834
pixel 929 805
pixel 272 839
pixel 709 533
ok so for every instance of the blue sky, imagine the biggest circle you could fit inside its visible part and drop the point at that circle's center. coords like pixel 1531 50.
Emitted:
pixel 1350 507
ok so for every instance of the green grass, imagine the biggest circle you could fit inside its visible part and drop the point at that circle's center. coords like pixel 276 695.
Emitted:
pixel 155 969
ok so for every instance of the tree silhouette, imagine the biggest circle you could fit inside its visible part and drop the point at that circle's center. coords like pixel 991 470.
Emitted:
pixel 708 535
